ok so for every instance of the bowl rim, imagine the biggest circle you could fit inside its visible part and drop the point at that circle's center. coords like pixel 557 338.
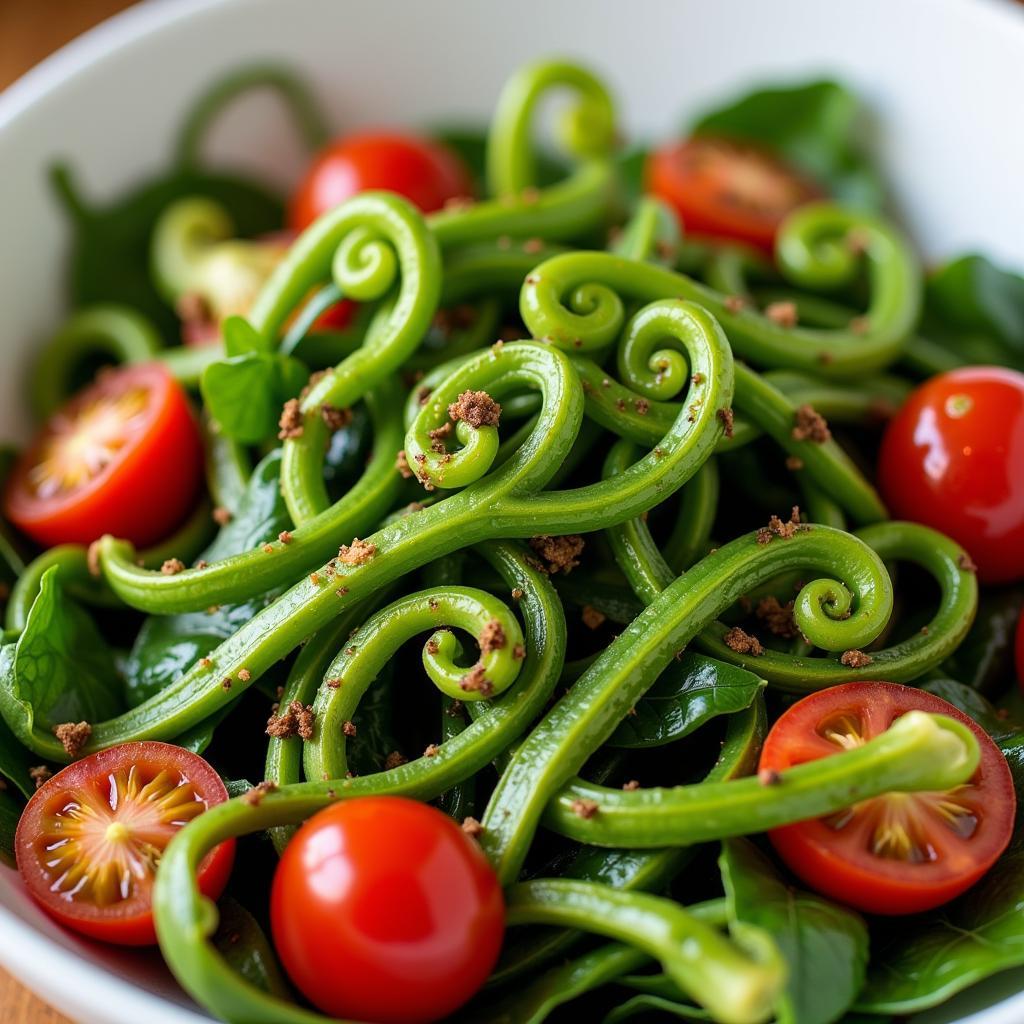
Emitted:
pixel 55 972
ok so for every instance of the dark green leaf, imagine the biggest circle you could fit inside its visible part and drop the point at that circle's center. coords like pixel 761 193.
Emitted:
pixel 168 645
pixel 245 393
pixel 984 660
pixel 814 126
pixel 979 934
pixel 644 1003
pixel 997 724
pixel 15 759
pixel 688 693
pixel 10 812
pixel 110 253
pixel 240 940
pixel 63 670
pixel 825 945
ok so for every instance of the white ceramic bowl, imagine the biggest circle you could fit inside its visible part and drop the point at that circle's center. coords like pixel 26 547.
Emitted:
pixel 944 77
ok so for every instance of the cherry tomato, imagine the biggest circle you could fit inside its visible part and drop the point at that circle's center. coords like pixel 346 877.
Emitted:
pixel 382 909
pixel 952 458
pixel 725 189
pixel 903 852
pixel 90 839
pixel 425 172
pixel 124 456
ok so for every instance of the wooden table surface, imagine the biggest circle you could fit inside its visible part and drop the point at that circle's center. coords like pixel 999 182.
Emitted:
pixel 29 30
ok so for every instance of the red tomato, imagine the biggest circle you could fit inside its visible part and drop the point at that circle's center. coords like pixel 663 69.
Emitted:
pixel 952 458
pixel 396 894
pixel 124 456
pixel 90 839
pixel 425 172
pixel 725 189
pixel 900 853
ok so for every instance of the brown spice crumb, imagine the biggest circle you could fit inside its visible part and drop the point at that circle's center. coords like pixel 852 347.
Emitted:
pixel 172 566
pixel 810 426
pixel 244 674
pixel 518 652
pixel 394 760
pixel 440 433
pixel 296 720
pixel 855 659
pixel 965 562
pixel 592 618
pixel 333 684
pixel 741 642
pixel 620 404
pixel 517 593
pixel 472 827
pixel 314 578
pixel 777 528
pixel 533 245
pixel 782 313
pixel 202 564
pixel 769 777
pixel 734 303
pixel 476 408
pixel 492 637
pixel 584 808
pixel 402 465
pixel 334 417
pixel 632 786
pixel 777 617
pixel 728 420
pixel 697 378
pixel 268 549
pixel 258 792
pixel 285 537
pixel 205 662
pixel 290 422
pixel 432 646
pixel 222 515
pixel 561 554
pixel 341 591
pixel 73 736
pixel 476 681
pixel 794 463
pixel 431 750
pixel 642 406
pixel 39 774
pixel 359 552
pixel 349 729
pixel 433 604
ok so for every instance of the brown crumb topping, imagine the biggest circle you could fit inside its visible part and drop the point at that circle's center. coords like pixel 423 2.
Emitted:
pixel 782 313
pixel 359 552
pixel 966 563
pixel 561 554
pixel 172 566
pixel 349 729
pixel 73 736
pixel 728 420
pixel 492 637
pixel 222 515
pixel 290 423
pixel 285 537
pixel 519 652
pixel 472 827
pixel 742 642
pixel 244 674
pixel 734 303
pixel 632 786
pixel 431 750
pixel 642 406
pixel 402 465
pixel 810 426
pixel 438 434
pixel 584 808
pixel 794 463
pixel 476 408
pixel 777 617
pixel 777 528
pixel 334 417
pixel 592 618
pixel 297 719
pixel 476 681
pixel 39 774
pixel 855 659
pixel 394 760
pixel 254 796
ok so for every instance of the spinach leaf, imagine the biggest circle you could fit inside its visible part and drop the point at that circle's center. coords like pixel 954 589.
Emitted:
pixel 813 126
pixel 244 393
pixel 941 953
pixel 984 660
pixel 688 693
pixel 10 813
pixel 977 309
pixel 167 645
pixel 244 946
pixel 62 669
pixel 997 724
pixel 110 253
pixel 15 759
pixel 825 945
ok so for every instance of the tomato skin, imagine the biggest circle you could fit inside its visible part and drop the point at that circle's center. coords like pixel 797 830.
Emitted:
pixel 951 458
pixel 146 489
pixel 425 172
pixel 838 861
pixel 727 190
pixel 130 922
pixel 398 894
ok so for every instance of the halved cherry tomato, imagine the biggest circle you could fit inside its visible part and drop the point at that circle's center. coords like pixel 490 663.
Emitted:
pixel 90 839
pixel 383 909
pixel 425 172
pixel 951 458
pixel 725 189
pixel 899 853
pixel 124 456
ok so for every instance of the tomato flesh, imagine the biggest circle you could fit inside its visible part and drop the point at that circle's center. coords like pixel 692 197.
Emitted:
pixel 900 853
pixel 727 190
pixel 383 909
pixel 124 456
pixel 425 172
pixel 951 458
pixel 89 841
